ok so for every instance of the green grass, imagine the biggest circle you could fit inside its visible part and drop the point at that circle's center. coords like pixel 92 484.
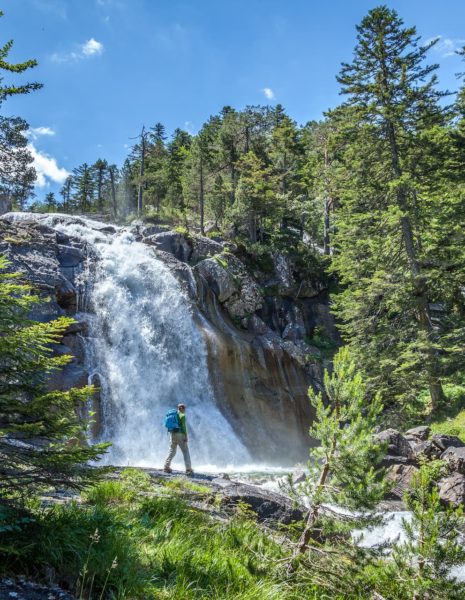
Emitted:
pixel 450 419
pixel 126 543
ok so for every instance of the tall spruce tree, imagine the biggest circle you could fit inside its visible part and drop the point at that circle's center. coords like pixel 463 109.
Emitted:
pixel 386 304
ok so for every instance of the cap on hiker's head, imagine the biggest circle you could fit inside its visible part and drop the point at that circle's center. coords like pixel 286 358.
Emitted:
pixel 181 405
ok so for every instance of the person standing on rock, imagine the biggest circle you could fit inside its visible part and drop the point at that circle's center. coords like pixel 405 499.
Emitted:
pixel 178 436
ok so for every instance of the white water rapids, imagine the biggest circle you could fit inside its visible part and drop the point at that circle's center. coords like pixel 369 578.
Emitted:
pixel 147 352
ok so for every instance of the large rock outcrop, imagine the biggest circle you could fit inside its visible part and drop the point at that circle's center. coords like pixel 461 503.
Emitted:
pixel 258 323
pixel 406 453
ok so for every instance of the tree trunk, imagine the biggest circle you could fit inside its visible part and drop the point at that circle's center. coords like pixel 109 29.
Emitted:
pixel 201 198
pixel 327 210
pixel 113 193
pixel 99 190
pixel 312 516
pixel 419 283
pixel 140 191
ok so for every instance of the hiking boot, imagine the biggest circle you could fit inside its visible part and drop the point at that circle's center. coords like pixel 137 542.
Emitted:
pixel 189 472
pixel 167 470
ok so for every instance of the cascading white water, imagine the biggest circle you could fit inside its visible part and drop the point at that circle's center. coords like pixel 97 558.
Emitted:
pixel 149 354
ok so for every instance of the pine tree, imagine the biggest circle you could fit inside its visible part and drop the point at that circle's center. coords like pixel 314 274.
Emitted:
pixel 100 171
pixel 11 89
pixel 83 186
pixel 343 469
pixel 433 547
pixel 386 304
pixel 41 436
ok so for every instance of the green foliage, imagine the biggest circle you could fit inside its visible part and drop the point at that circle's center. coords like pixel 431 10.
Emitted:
pixel 344 423
pixel 433 544
pixel 399 306
pixel 159 547
pixel 41 435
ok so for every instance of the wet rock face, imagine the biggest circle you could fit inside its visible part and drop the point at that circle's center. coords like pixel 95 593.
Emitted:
pixel 51 261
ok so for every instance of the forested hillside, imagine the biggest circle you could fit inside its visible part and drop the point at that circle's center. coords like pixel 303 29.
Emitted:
pixel 373 193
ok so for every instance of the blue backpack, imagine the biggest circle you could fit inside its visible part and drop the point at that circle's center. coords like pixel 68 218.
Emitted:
pixel 172 421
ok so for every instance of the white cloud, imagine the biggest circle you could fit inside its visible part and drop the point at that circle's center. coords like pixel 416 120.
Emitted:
pixel 46 167
pixel 446 46
pixel 35 132
pixel 269 94
pixel 91 47
pixel 86 50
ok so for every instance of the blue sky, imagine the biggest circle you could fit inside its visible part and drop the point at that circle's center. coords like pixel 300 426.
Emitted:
pixel 110 66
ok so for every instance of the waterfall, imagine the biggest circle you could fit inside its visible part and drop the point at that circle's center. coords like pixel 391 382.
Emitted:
pixel 147 352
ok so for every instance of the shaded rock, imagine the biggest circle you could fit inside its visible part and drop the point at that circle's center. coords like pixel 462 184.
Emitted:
pixel 268 506
pixel 420 433
pixel 396 443
pixel 446 441
pixel 66 296
pixel 5 205
pixel 218 278
pixel 400 475
pixel 427 449
pixel 181 271
pixel 455 458
pixel 309 289
pixel 452 489
pixel 389 461
pixel 69 256
pixel 172 242
pixel 203 247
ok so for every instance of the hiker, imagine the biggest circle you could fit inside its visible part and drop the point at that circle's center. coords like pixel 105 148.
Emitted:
pixel 175 422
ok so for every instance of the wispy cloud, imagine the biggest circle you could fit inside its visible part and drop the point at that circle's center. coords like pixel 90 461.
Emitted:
pixel 269 94
pixel 36 132
pixel 189 127
pixel 46 168
pixel 88 49
pixel 446 46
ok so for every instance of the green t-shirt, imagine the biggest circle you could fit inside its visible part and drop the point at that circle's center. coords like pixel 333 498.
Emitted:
pixel 182 422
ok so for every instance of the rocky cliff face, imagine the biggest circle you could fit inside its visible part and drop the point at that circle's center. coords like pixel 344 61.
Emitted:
pixel 258 323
